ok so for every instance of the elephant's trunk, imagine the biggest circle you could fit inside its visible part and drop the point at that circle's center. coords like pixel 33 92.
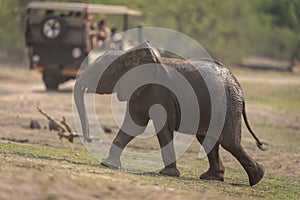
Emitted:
pixel 78 94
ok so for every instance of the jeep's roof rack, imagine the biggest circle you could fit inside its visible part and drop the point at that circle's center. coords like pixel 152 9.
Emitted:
pixel 84 7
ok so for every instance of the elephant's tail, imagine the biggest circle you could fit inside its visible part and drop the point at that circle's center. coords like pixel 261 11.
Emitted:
pixel 261 145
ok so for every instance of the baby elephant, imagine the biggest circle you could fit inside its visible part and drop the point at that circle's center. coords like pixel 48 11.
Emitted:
pixel 103 78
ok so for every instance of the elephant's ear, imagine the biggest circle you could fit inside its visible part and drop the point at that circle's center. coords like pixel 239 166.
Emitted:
pixel 138 56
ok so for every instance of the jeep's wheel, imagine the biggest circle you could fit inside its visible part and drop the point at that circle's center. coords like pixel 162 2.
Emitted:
pixel 53 27
pixel 51 79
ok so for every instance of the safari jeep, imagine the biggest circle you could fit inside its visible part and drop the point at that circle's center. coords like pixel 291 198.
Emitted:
pixel 58 36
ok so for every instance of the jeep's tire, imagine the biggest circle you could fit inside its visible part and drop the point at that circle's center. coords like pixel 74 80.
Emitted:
pixel 53 27
pixel 51 79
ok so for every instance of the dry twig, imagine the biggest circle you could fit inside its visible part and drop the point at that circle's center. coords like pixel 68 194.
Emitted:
pixel 65 130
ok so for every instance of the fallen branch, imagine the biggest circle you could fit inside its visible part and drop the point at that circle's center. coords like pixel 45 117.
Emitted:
pixel 64 130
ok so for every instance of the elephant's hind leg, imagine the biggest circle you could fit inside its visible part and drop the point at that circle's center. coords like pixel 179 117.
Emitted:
pixel 216 168
pixel 254 170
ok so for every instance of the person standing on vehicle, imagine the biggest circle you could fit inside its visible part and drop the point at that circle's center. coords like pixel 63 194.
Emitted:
pixel 92 29
pixel 103 30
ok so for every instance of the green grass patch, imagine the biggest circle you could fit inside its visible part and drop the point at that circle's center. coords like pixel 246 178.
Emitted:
pixel 235 185
pixel 284 97
pixel 46 153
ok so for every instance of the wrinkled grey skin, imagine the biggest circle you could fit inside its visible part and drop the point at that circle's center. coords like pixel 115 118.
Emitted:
pixel 146 96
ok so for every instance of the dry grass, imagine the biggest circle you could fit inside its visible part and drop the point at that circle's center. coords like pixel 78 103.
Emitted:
pixel 44 169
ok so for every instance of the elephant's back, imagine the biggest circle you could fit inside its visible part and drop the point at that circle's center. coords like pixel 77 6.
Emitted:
pixel 208 70
pixel 209 79
pixel 197 82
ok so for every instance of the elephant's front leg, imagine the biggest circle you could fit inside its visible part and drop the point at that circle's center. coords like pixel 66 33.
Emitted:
pixel 165 138
pixel 129 130
pixel 119 143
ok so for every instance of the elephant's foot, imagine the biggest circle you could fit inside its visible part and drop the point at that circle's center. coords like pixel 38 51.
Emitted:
pixel 170 171
pixel 111 163
pixel 255 174
pixel 213 175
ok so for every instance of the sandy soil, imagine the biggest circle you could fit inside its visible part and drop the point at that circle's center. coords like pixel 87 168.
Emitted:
pixel 30 177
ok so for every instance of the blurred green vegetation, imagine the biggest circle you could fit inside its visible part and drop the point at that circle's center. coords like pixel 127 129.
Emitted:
pixel 229 30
